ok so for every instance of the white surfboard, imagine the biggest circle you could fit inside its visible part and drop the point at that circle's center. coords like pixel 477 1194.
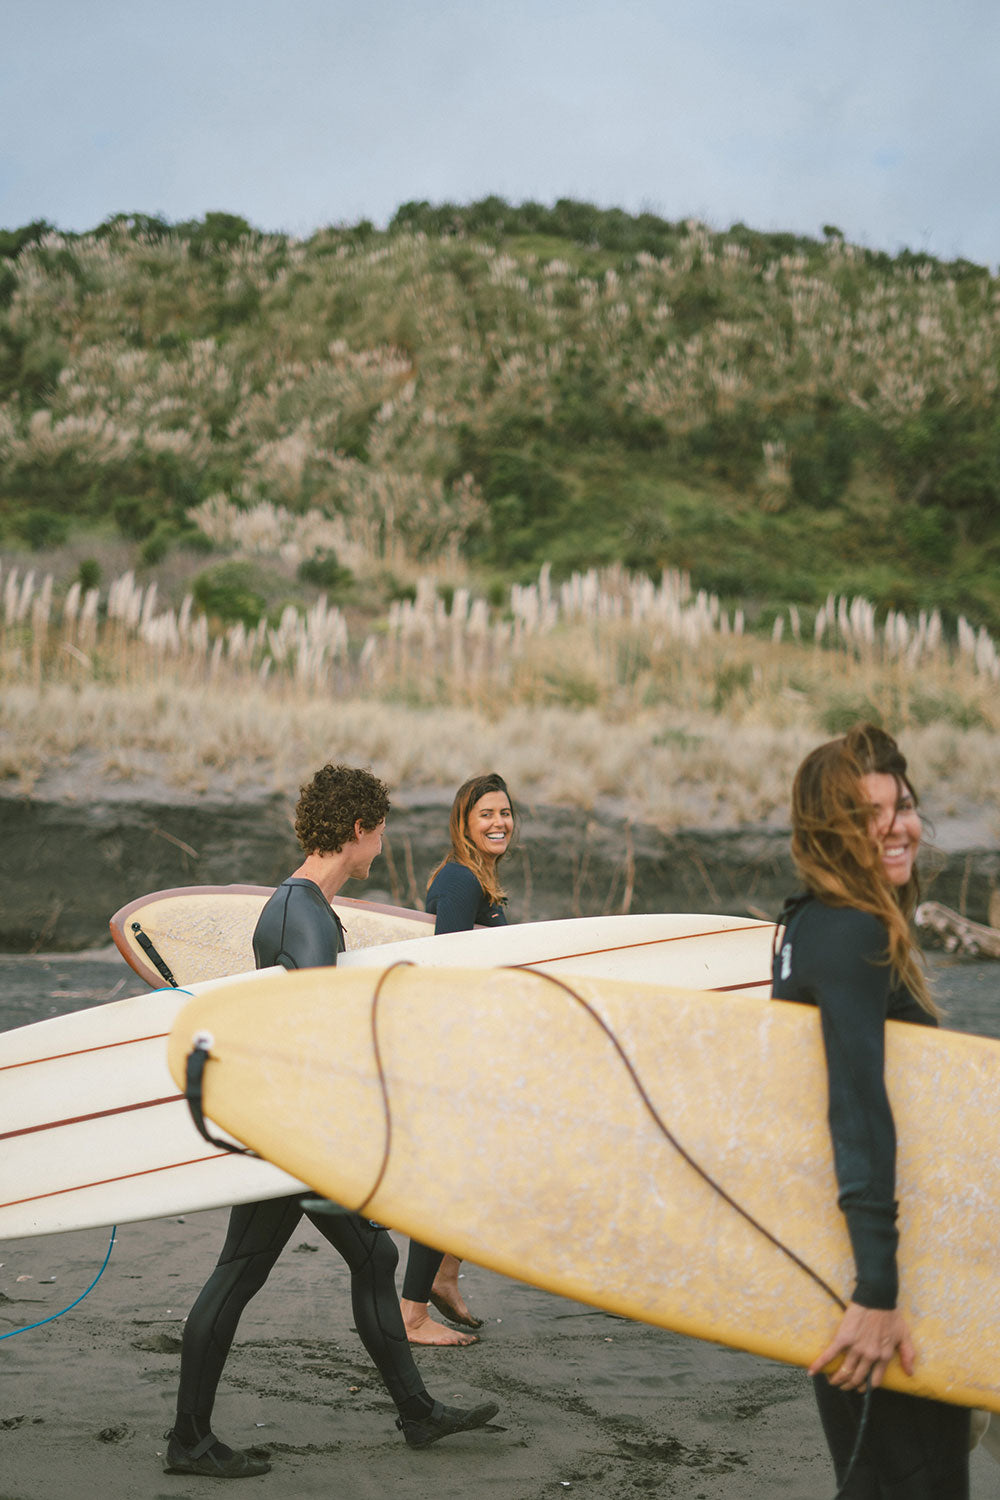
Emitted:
pixel 93 1130
pixel 685 949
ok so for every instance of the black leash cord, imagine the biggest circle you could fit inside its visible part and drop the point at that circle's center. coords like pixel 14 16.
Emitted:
pixel 866 1408
pixel 403 963
pixel 726 1197
pixel 194 1080
pixel 668 1135
pixel 146 944
pixel 659 1122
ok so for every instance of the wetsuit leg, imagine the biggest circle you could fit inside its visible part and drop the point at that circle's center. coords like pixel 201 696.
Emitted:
pixel 257 1234
pixel 914 1448
pixel 422 1265
pixel 371 1257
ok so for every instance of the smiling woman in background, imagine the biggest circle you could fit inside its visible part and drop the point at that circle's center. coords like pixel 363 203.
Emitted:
pixel 464 892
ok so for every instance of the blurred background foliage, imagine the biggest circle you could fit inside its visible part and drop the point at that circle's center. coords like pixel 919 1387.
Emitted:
pixel 484 388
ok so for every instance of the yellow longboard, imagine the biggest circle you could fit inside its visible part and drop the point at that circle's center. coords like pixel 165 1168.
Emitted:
pixel 657 1152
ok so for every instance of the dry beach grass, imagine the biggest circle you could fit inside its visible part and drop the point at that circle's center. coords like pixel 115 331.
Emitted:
pixel 605 691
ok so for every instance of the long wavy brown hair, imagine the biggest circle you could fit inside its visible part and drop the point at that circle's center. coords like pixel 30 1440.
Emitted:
pixel 835 854
pixel 463 851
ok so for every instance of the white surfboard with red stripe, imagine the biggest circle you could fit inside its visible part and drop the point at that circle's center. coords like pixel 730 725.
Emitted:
pixel 93 1130
pixel 688 950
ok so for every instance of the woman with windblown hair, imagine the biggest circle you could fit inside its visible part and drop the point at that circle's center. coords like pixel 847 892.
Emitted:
pixel 848 948
pixel 463 892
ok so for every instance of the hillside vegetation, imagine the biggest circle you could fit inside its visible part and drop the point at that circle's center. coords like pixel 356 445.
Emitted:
pixel 477 391
pixel 632 510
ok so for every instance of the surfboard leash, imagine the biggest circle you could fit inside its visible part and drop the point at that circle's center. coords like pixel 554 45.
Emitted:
pixel 52 1317
pixel 681 1150
pixel 146 944
pixel 194 1091
pixel 727 1198
pixel 661 1125
pixel 327 1205
pixel 402 963
pixel 866 1408
pixel 638 1084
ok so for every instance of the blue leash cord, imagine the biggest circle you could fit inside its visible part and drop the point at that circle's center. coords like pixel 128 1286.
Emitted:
pixel 42 1321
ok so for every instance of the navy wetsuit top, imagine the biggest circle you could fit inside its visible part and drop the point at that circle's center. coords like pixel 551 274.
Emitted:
pixel 298 928
pixel 835 958
pixel 459 902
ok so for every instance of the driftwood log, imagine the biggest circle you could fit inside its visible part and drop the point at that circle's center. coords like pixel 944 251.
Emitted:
pixel 947 929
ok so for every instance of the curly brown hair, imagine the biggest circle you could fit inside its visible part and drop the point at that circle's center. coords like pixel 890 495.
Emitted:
pixel 463 851
pixel 332 802
pixel 834 852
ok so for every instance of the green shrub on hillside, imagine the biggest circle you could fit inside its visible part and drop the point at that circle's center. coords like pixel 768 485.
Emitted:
pixel 324 571
pixel 231 591
pixel 89 573
pixel 43 528
pixel 136 516
pixel 13 241
pixel 157 544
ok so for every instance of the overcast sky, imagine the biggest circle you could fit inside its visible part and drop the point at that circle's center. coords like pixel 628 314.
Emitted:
pixel 878 116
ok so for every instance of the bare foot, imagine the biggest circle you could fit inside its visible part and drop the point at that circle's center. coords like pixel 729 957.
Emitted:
pixel 448 1299
pixel 422 1329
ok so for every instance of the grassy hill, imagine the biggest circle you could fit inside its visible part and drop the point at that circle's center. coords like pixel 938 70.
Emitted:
pixel 478 390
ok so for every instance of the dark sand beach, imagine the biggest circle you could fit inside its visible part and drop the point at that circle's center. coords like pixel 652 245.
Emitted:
pixel 591 1405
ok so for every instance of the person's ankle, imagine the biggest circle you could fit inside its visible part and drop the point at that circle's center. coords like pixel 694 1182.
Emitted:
pixel 413 1408
pixel 188 1430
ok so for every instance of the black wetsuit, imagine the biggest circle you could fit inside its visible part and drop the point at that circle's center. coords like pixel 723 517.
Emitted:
pixel 297 929
pixel 458 903
pixel 835 958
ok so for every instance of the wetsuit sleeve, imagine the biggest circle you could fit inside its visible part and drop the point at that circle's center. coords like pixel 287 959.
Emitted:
pixel 455 897
pixel 842 962
pixel 298 930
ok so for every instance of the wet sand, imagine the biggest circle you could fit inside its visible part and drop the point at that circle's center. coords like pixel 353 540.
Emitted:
pixel 590 1404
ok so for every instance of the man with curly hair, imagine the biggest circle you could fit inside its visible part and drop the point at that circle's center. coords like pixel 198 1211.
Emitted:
pixel 339 823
